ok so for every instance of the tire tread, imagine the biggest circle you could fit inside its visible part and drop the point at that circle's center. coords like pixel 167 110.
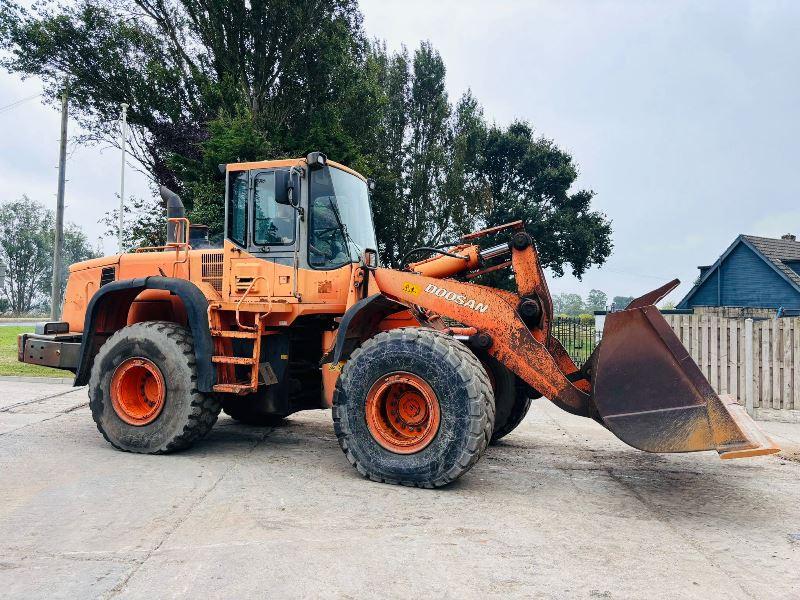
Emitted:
pixel 204 407
pixel 481 401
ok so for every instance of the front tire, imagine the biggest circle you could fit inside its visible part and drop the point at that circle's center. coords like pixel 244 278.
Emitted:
pixel 512 398
pixel 142 390
pixel 413 406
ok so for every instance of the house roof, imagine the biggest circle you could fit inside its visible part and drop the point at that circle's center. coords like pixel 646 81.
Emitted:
pixel 778 252
pixel 775 252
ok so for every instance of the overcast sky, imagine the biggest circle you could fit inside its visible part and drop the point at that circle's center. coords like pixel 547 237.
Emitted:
pixel 683 117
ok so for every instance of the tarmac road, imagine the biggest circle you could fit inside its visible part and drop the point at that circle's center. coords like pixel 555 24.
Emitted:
pixel 561 510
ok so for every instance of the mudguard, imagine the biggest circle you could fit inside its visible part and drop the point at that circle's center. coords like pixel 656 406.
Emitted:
pixel 359 323
pixel 97 322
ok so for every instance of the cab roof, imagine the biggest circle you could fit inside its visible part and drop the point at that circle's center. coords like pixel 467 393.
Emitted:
pixel 286 162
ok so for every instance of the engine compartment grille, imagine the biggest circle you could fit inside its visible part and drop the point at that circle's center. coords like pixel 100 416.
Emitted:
pixel 212 269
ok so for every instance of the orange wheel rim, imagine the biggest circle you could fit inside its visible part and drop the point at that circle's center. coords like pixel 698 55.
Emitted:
pixel 402 412
pixel 138 391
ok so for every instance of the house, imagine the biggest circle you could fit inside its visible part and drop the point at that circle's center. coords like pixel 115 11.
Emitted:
pixel 754 272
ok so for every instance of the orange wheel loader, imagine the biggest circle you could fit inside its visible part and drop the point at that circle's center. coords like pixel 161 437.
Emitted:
pixel 422 369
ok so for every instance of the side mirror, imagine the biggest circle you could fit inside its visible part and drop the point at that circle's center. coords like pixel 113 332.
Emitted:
pixel 294 188
pixel 370 258
pixel 287 188
pixel 282 187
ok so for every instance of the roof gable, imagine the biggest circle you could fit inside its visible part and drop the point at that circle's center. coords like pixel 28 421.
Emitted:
pixel 773 252
pixel 776 252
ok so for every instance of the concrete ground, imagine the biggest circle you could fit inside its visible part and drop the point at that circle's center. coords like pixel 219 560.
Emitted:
pixel 560 510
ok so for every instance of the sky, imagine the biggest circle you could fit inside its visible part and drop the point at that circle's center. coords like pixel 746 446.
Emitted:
pixel 682 117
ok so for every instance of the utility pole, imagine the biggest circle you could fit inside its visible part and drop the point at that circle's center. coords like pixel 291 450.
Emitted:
pixel 55 294
pixel 123 143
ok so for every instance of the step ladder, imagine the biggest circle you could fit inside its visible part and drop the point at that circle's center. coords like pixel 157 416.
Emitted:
pixel 239 387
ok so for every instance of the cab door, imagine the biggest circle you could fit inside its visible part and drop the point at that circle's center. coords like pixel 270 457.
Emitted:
pixel 275 230
pixel 248 274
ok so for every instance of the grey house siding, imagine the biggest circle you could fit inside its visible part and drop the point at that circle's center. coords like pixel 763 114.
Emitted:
pixel 743 278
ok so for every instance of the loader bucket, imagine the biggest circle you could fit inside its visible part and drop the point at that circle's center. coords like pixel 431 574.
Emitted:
pixel 653 396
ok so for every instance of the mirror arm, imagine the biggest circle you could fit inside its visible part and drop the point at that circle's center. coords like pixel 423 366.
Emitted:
pixel 295 202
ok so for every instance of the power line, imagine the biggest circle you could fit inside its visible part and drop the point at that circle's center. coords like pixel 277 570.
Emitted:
pixel 17 103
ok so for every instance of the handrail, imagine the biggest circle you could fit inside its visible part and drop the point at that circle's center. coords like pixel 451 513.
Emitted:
pixel 181 232
pixel 182 228
pixel 239 304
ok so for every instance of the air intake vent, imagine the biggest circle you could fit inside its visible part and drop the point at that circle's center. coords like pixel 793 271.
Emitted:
pixel 212 269
pixel 108 275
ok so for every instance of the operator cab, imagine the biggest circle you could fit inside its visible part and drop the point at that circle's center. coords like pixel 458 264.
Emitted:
pixel 313 209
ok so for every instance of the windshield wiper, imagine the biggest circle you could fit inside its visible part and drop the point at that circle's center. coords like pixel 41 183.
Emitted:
pixel 342 227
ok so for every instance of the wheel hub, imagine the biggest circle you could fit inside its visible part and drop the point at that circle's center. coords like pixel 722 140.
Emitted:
pixel 138 391
pixel 402 412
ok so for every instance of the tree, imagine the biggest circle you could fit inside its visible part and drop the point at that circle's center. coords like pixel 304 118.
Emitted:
pixel 596 300
pixel 531 179
pixel 620 302
pixel 393 74
pixel 26 247
pixel 289 69
pixel 568 304
pixel 146 224
pixel 219 81
pixel 24 231
pixel 422 192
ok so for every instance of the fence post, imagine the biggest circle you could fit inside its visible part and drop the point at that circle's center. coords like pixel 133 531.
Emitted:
pixel 796 369
pixel 748 366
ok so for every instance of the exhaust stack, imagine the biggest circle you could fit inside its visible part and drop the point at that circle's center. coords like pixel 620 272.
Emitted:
pixel 175 210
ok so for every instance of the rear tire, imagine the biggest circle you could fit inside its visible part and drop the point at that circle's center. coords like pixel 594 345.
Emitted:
pixel 158 356
pixel 444 418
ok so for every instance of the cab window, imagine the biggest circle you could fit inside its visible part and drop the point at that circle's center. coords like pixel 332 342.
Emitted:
pixel 237 207
pixel 340 220
pixel 274 224
pixel 327 247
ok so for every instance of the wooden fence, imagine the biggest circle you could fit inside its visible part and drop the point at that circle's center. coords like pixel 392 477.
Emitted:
pixel 755 360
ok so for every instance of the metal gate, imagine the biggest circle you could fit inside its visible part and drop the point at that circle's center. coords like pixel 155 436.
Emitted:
pixel 577 336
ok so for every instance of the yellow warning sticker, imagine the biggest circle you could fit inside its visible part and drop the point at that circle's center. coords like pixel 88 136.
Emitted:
pixel 411 288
